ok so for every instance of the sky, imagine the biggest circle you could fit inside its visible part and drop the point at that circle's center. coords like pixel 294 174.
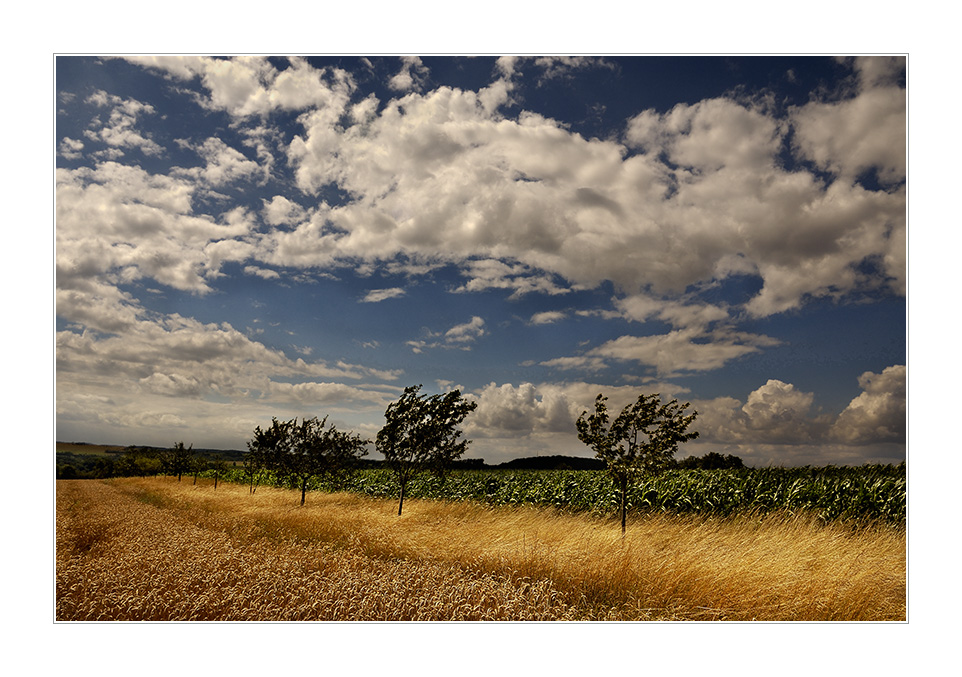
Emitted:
pixel 244 238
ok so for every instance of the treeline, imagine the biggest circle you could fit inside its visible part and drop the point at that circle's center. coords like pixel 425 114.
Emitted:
pixel 136 461
pixel 144 461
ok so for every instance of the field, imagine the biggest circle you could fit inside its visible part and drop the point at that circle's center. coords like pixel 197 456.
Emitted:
pixel 156 549
pixel 83 449
pixel 828 493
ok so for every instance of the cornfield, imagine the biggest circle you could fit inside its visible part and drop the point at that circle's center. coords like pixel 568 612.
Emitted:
pixel 865 493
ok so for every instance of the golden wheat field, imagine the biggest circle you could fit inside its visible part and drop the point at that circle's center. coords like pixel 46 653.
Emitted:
pixel 161 550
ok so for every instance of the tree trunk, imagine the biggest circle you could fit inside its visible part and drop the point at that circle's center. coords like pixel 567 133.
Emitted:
pixel 303 489
pixel 401 502
pixel 624 506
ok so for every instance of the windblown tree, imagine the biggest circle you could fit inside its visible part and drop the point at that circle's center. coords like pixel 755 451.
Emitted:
pixel 218 464
pixel 421 434
pixel 302 452
pixel 642 439
pixel 266 451
pixel 319 450
pixel 180 459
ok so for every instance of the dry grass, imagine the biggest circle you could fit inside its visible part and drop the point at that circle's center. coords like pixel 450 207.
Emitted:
pixel 185 552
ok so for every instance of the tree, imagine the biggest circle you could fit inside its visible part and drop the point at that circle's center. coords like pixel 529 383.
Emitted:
pixel 218 464
pixel 301 452
pixel 265 451
pixel 317 449
pixel 421 434
pixel 197 466
pixel 643 438
pixel 179 459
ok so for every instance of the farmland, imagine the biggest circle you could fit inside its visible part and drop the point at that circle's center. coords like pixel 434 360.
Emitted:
pixel 826 493
pixel 158 549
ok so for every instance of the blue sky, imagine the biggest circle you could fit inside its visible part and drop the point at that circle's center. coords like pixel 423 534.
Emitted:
pixel 251 237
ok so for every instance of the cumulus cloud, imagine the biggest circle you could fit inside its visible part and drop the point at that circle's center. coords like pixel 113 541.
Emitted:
pixel 250 85
pixel 282 211
pixel 526 409
pixel 525 204
pixel 865 131
pixel 70 148
pixel 878 413
pixel 778 415
pixel 120 129
pixel 122 223
pixel 224 164
pixel 411 76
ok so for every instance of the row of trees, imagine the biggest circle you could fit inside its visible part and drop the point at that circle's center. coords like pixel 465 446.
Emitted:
pixel 422 433
pixel 300 452
pixel 140 462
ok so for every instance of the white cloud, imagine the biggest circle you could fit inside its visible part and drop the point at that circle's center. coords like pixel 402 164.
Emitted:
pixel 249 85
pixel 697 316
pixel 281 211
pixel 521 204
pixel 120 129
pixel 467 332
pixel 70 148
pixel 460 336
pixel 174 364
pixel 677 352
pixel 867 131
pixel 411 76
pixel 878 413
pixel 262 272
pixel 777 412
pixel 505 410
pixel 377 295
pixel 122 223
pixel 547 317
pixel 225 165
pixel 487 274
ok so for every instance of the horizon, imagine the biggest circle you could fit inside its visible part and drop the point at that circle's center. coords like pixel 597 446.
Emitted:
pixel 244 238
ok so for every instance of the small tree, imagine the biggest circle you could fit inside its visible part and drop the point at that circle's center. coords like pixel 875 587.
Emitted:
pixel 317 449
pixel 421 434
pixel 218 464
pixel 266 451
pixel 643 438
pixel 301 452
pixel 180 459
pixel 197 466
